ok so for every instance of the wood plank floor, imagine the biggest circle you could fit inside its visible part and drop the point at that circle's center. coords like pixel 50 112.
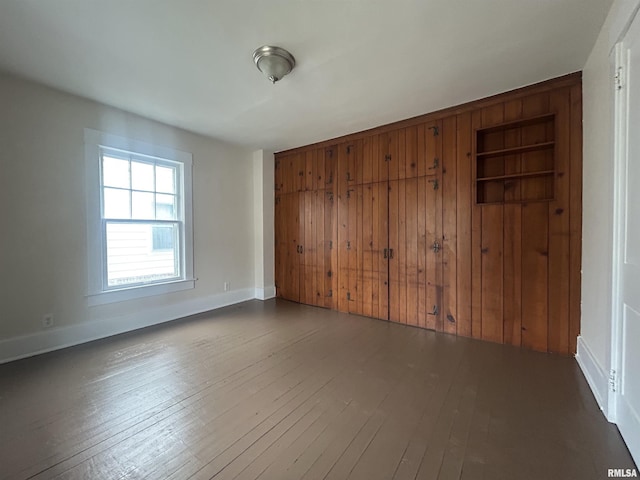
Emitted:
pixel 276 390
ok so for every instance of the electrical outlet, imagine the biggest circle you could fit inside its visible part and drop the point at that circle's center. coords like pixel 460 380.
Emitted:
pixel 226 286
pixel 47 320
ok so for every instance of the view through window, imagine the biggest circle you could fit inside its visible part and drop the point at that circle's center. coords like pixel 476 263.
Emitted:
pixel 141 219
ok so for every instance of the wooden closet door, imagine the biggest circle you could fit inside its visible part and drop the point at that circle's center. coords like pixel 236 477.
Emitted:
pixel 415 225
pixel 415 249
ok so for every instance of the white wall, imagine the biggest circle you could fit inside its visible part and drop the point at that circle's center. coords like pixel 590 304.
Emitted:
pixel 594 351
pixel 264 223
pixel 43 251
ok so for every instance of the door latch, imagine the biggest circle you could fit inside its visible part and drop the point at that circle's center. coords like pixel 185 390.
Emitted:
pixel 435 311
pixel 436 163
pixel 435 247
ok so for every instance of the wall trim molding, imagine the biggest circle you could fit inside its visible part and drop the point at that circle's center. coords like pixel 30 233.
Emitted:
pixel 67 336
pixel 596 376
pixel 265 293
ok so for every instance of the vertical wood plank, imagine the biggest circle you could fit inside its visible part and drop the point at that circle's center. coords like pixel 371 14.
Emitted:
pixel 278 172
pixel 411 250
pixel 367 242
pixel 376 249
pixel 575 216
pixel 359 240
pixel 383 241
pixel 309 171
pixel 492 288
pixel 308 248
pixel 321 268
pixel 512 302
pixel 422 251
pixel 535 188
pixel 433 217
pixel 559 228
pixel 411 152
pixel 384 149
pixel 421 150
pixel 292 274
pixel 535 235
pixel 330 158
pixel 400 255
pixel 366 168
pixel 300 177
pixel 343 229
pixel 476 246
pixel 463 224
pixel 449 223
pixel 352 248
pixel 279 236
pixel 439 316
pixel 393 151
pixel 318 182
pixel 330 255
pixel 394 269
pixel 492 239
pixel 402 154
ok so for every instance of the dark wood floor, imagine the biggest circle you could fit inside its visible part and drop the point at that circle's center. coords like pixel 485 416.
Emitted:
pixel 277 390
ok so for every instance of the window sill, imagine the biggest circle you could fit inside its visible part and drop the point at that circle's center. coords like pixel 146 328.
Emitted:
pixel 125 294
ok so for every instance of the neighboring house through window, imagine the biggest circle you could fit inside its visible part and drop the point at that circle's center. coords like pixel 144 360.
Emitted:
pixel 139 218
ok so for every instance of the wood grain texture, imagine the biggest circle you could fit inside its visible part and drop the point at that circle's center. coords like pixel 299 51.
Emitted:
pixel 535 276
pixel 492 233
pixel 449 225
pixel 476 245
pixel 280 391
pixel 464 202
pixel 512 296
pixel 559 228
pixel 509 265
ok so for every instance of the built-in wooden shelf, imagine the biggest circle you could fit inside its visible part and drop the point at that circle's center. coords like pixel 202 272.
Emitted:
pixel 517 175
pixel 516 150
pixel 514 162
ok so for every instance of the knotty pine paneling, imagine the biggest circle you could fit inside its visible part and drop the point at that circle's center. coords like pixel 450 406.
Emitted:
pixel 367 209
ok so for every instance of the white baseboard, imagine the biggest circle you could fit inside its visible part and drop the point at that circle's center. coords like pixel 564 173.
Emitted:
pixel 265 293
pixel 62 337
pixel 596 376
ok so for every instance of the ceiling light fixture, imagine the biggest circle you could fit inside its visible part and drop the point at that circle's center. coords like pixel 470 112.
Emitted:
pixel 274 62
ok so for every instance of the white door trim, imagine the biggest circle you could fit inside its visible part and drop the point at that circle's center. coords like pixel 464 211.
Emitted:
pixel 619 158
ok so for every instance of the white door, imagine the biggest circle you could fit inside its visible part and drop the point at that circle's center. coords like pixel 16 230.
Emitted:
pixel 626 334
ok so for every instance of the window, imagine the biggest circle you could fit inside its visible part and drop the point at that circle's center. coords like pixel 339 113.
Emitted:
pixel 139 219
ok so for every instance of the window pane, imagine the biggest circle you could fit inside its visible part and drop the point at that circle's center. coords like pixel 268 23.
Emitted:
pixel 165 179
pixel 166 207
pixel 132 258
pixel 115 172
pixel 142 176
pixel 142 207
pixel 116 203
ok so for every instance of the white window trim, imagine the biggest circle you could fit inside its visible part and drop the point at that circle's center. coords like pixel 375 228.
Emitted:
pixel 93 141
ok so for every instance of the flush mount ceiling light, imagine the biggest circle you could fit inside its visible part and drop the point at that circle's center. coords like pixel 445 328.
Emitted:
pixel 274 62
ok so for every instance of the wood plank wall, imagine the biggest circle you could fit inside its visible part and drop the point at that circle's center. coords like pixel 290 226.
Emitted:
pixel 390 223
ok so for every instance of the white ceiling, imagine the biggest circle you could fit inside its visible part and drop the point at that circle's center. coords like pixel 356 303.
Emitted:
pixel 360 63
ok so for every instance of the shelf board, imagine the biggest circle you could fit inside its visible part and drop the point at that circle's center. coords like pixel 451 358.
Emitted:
pixel 514 202
pixel 514 150
pixel 517 123
pixel 541 173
